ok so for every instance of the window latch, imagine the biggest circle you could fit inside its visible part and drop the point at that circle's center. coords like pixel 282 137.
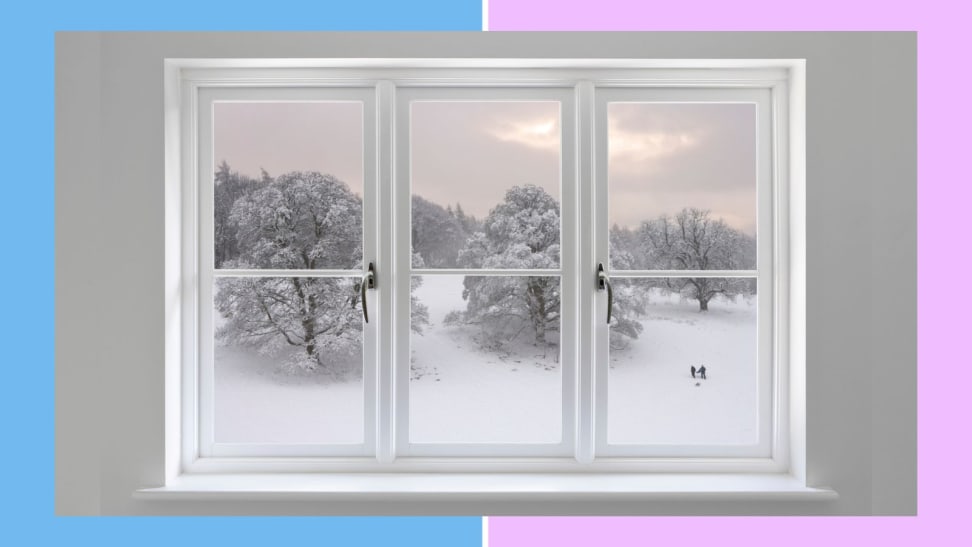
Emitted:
pixel 367 282
pixel 604 283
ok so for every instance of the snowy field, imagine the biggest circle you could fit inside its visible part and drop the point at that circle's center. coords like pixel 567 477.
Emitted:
pixel 652 397
pixel 256 402
pixel 460 392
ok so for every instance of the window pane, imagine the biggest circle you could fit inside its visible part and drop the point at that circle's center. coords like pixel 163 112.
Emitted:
pixel 486 184
pixel 288 360
pixel 663 328
pixel 485 362
pixel 288 185
pixel 682 186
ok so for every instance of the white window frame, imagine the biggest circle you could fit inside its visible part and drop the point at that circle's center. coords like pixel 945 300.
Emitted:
pixel 199 403
pixel 591 467
pixel 474 89
pixel 772 426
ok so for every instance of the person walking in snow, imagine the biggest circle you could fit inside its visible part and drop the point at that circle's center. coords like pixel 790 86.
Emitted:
pixel 702 371
pixel 693 371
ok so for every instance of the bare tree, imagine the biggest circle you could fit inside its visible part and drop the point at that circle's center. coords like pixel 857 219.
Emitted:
pixel 693 240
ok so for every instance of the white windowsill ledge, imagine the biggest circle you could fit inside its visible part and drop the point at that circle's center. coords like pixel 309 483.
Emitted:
pixel 566 486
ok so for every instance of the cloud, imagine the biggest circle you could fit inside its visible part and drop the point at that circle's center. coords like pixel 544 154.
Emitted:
pixel 664 157
pixel 542 133
pixel 631 150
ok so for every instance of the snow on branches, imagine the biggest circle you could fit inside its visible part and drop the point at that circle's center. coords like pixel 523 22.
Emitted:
pixel 693 240
pixel 522 232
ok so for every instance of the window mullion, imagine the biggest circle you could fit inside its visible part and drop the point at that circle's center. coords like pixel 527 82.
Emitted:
pixel 585 399
pixel 396 153
pixel 388 274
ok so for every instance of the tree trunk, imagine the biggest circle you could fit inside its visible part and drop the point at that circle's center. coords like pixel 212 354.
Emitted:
pixel 310 344
pixel 308 321
pixel 538 312
pixel 539 331
pixel 702 292
pixel 540 323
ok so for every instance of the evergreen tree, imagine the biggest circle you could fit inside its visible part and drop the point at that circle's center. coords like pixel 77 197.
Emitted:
pixel 437 235
pixel 229 186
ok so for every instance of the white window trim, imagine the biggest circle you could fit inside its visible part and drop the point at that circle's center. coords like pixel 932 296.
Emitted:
pixel 772 429
pixel 477 89
pixel 782 475
pixel 202 442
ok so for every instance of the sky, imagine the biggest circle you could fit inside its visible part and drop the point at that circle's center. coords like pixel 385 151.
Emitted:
pixel 666 156
pixel 473 152
pixel 281 137
pixel 662 157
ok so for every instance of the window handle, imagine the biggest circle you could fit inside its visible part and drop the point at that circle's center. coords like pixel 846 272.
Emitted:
pixel 367 282
pixel 604 282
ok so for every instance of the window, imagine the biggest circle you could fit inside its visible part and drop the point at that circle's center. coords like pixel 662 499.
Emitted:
pixel 479 266
pixel 688 179
pixel 286 251
pixel 488 372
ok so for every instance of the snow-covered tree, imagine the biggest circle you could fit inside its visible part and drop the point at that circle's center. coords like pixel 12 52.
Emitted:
pixel 693 240
pixel 437 235
pixel 300 220
pixel 229 186
pixel 469 223
pixel 419 311
pixel 320 317
pixel 522 232
pixel 630 295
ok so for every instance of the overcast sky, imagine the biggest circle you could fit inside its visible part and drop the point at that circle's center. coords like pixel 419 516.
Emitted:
pixel 473 152
pixel 662 157
pixel 283 137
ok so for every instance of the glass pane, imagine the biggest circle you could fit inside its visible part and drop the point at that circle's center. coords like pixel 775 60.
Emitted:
pixel 665 328
pixel 485 363
pixel 288 185
pixel 486 184
pixel 288 360
pixel 682 186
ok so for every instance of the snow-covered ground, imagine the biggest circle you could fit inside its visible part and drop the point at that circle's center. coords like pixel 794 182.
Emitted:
pixel 652 396
pixel 256 402
pixel 462 393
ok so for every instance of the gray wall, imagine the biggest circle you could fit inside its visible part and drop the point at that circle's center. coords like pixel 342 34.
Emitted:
pixel 861 215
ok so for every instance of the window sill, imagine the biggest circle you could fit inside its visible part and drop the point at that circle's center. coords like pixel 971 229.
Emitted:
pixel 484 486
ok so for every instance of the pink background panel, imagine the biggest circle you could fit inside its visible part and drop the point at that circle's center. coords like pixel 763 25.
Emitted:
pixel 944 119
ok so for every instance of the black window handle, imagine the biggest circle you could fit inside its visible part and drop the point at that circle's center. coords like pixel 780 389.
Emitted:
pixel 604 282
pixel 367 282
